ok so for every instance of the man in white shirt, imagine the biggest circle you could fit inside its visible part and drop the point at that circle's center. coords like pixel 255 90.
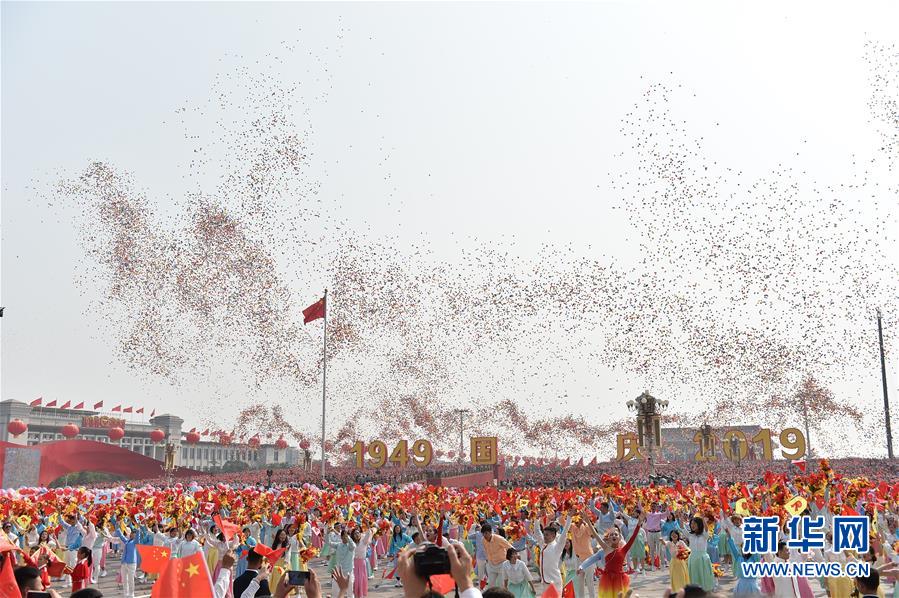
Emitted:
pixel 551 543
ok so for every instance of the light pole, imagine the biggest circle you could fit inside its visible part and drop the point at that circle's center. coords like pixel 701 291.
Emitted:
pixel 649 429
pixel 883 374
pixel 735 448
pixel 462 413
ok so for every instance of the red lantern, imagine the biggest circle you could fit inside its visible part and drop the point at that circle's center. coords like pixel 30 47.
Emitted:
pixel 157 435
pixel 225 439
pixel 451 454
pixel 346 447
pixel 253 442
pixel 304 444
pixel 439 454
pixel 17 427
pixel 282 444
pixel 329 446
pixel 192 438
pixel 70 431
pixel 116 434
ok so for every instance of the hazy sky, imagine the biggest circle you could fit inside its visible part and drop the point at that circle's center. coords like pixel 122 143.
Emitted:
pixel 443 122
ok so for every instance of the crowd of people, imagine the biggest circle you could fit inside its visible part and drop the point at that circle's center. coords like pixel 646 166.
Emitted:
pixel 546 475
pixel 586 540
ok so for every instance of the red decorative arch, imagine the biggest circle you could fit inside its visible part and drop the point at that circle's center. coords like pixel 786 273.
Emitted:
pixel 63 457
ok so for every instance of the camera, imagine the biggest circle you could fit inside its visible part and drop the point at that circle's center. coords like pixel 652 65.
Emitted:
pixel 297 578
pixel 433 560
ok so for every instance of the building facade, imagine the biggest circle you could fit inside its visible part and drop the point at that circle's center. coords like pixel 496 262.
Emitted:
pixel 45 425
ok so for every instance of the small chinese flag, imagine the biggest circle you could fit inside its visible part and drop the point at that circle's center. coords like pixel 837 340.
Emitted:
pixel 98 405
pixel 187 577
pixel 568 590
pixel 8 586
pixel 153 559
pixel 314 311
pixel 442 584
pixel 550 592
pixel 800 463
pixel 116 408
pixel 228 528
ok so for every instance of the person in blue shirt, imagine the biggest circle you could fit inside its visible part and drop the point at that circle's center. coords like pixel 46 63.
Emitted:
pixel 129 558
pixel 398 541
pixel 746 586
pixel 72 540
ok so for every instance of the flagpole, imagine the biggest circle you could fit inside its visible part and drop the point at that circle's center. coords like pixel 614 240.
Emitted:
pixel 324 374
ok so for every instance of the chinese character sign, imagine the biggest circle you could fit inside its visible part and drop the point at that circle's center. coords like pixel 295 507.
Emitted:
pixel 484 450
pixel 628 447
pixel 760 534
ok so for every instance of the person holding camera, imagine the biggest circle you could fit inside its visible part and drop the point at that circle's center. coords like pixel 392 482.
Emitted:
pixel 415 568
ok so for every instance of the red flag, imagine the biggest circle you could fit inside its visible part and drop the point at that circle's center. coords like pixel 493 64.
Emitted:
pixel 37 402
pixel 566 462
pixel 51 403
pixel 550 592
pixel 184 578
pixel 722 496
pixel 205 432
pixel 580 463
pixel 593 462
pixel 442 584
pixel 269 553
pixel 56 568
pixel 98 405
pixel 117 408
pixel 141 410
pixel 127 410
pixel 568 590
pixel 387 575
pixel 314 311
pixel 79 405
pixel 153 559
pixel 800 463
pixel 152 413
pixel 8 586
pixel 228 528
pixel 439 541
pixel 66 405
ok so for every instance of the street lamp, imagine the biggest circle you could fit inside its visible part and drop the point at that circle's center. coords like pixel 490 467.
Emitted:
pixel 735 448
pixel 649 429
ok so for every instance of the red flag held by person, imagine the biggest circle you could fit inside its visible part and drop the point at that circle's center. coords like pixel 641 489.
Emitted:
pixel 800 463
pixel 442 584
pixel 8 586
pixel 228 528
pixel 314 311
pixel 550 592
pixel 186 577
pixel 153 559
pixel 568 590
